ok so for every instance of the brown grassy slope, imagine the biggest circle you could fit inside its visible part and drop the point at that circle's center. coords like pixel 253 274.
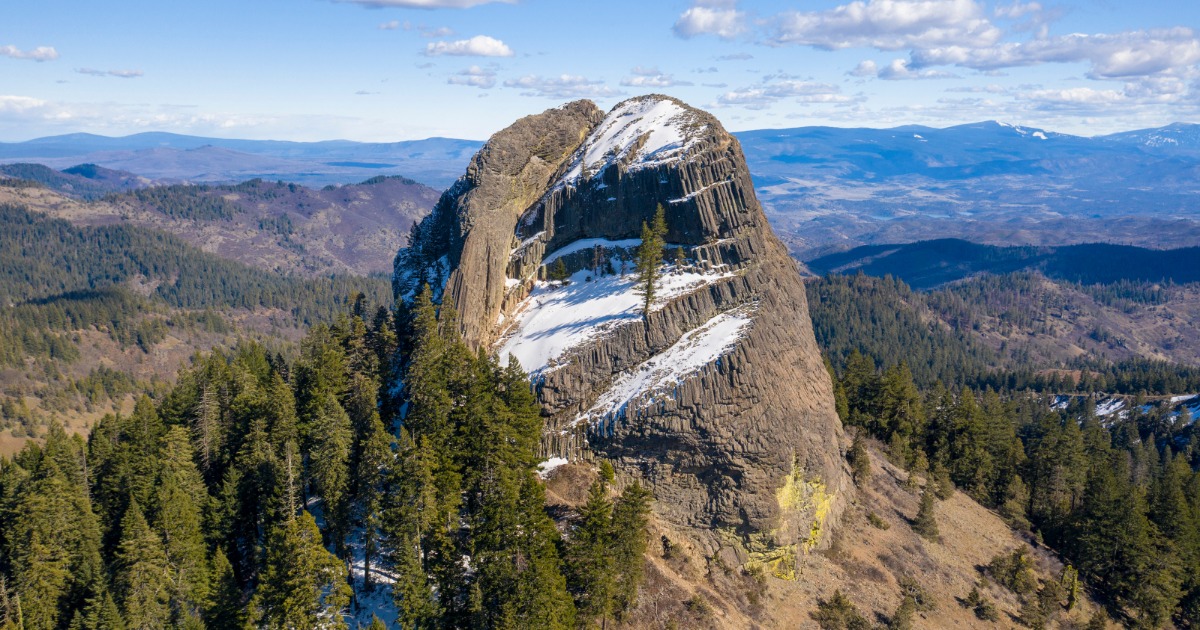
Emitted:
pixel 687 590
pixel 44 394
pixel 1070 323
pixel 354 229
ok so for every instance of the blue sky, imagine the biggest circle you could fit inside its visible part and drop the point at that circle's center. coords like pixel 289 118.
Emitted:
pixel 385 70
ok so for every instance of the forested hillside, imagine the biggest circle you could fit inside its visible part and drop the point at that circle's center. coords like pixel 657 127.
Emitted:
pixel 270 492
pixel 275 226
pixel 91 314
pixel 1018 330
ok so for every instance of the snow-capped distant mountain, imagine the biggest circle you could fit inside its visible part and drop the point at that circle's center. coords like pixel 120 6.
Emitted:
pixel 1176 136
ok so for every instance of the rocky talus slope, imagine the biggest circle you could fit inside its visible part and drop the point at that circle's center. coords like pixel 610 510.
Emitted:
pixel 717 399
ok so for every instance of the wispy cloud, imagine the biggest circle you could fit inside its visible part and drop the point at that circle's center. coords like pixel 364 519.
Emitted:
pixel 651 78
pixel 897 70
pixel 888 25
pixel 478 46
pixel 564 86
pixel 1111 56
pixel 390 25
pixel 121 74
pixel 764 95
pixel 475 76
pixel 41 53
pixel 711 17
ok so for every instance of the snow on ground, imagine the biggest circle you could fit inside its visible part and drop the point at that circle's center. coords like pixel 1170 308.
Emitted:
pixel 588 243
pixel 379 600
pixel 660 120
pixel 694 350
pixel 1060 403
pixel 1109 406
pixel 554 319
pixel 548 466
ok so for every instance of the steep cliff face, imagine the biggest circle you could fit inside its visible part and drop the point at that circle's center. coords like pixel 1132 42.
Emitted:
pixel 718 398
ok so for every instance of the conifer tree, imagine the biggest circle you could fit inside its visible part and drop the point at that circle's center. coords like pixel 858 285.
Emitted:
pixel 649 259
pixel 302 585
pixel 142 578
pixel 589 558
pixel 100 612
pixel 225 607
pixel 178 520
pixel 925 523
pixel 860 459
pixel 329 463
pixel 631 513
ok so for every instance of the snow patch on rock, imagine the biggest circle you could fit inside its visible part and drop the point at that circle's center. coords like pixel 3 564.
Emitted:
pixel 694 350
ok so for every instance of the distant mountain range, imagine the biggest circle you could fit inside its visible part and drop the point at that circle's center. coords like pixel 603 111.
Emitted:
pixel 825 189
pixel 168 156
pixel 928 264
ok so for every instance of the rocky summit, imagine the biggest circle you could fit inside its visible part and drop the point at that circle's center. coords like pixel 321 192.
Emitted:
pixel 716 398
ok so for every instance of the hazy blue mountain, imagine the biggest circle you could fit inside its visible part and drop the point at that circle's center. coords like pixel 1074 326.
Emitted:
pixel 928 264
pixel 825 189
pixel 828 189
pixel 434 161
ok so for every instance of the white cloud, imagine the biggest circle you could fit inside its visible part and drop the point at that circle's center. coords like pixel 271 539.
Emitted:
pixel 474 76
pixel 764 95
pixel 711 17
pixel 478 46
pixel 736 57
pixel 41 53
pixel 651 78
pixel 889 25
pixel 1018 10
pixel 897 70
pixel 426 4
pixel 1120 55
pixel 390 25
pixel 123 74
pixel 561 87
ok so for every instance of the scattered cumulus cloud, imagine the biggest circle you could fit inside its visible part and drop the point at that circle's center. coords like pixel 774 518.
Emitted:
pixel 475 76
pixel 888 25
pixel 564 86
pixel 478 46
pixel 897 70
pixel 1018 10
pixel 39 54
pixel 651 78
pixel 121 74
pixel 711 17
pixel 390 25
pixel 764 95
pixel 1111 56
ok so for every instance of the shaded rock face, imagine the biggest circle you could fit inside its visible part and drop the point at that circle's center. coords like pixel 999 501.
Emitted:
pixel 718 399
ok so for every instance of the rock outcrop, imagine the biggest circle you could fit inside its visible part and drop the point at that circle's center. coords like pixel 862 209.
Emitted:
pixel 717 399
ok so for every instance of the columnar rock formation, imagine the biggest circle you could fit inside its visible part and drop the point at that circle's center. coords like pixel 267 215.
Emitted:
pixel 717 398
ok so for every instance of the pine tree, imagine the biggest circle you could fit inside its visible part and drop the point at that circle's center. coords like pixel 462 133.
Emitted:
pixel 649 259
pixel 329 464
pixel 142 577
pixel 225 607
pixel 302 585
pixel 860 459
pixel 925 523
pixel 374 460
pixel 100 612
pixel 178 520
pixel 631 514
pixel 589 558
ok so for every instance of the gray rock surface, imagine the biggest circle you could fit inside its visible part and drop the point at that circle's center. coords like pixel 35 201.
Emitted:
pixel 746 451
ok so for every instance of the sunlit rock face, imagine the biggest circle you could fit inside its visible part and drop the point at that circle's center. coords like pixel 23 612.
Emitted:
pixel 717 399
